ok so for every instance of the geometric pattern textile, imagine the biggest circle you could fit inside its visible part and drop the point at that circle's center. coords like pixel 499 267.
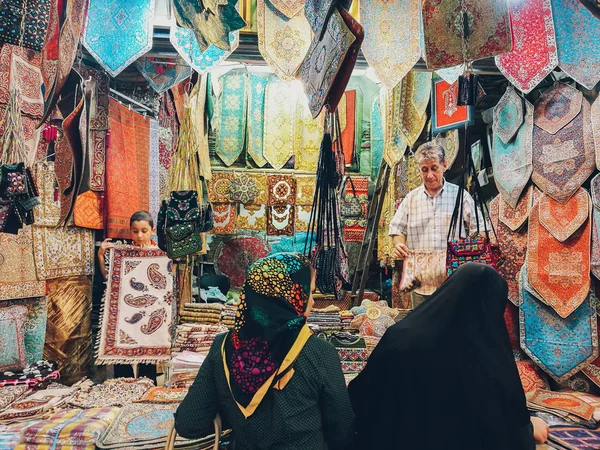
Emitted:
pixel 355 227
pixel 416 89
pixel 563 144
pixel 24 22
pixel 559 271
pixel 534 53
pixel 12 345
pixel 512 161
pixel 288 7
pixel 281 100
pixel 574 437
pixel 225 217
pixel 88 210
pixel 596 129
pixel 236 254
pixel 488 24
pixel 231 129
pixel 281 190
pixel 514 218
pixel 560 346
pixel 532 378
pixel 576 33
pixel 595 253
pixel 139 307
pixel 218 187
pixel 118 32
pixel 308 135
pixel 34 327
pixel 391 54
pixel 563 402
pixel 592 370
pixel 163 73
pixel 564 220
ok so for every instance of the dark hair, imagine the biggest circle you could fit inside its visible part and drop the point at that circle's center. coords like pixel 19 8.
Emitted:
pixel 141 215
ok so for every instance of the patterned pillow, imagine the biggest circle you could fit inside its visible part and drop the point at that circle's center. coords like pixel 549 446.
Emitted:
pixel 12 338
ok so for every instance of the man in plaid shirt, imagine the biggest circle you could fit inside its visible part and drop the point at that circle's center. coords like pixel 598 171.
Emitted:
pixel 423 218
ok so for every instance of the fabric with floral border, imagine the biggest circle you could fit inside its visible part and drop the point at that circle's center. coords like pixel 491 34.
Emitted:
pixel 305 189
pixel 308 135
pixel 394 143
pixel 377 139
pixel 163 395
pixel 282 190
pixel 224 215
pixel 532 378
pixel 281 109
pixel 243 189
pixel 289 8
pixel 303 214
pixel 12 338
pixel 592 371
pixel 251 217
pixel 508 115
pixel 257 85
pixel 595 112
pixel 281 220
pixel 564 220
pixel 562 401
pixel 235 255
pixel 515 218
pixel 218 187
pixel 231 113
pixel 34 327
pixel 416 87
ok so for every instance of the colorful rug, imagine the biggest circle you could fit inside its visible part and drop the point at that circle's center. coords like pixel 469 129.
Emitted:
pixel 355 227
pixel 575 29
pixel 281 220
pixel 512 157
pixel 515 218
pixel 235 255
pixel 163 73
pixel 563 142
pixel 225 217
pixel 185 42
pixel 416 89
pixel 595 256
pixel 307 137
pixel 283 42
pixel 561 347
pixel 24 23
pixel 377 138
pixel 532 378
pixel 118 33
pixel 281 190
pixel 534 53
pixel 489 28
pixel 21 69
pixel 113 392
pixel 391 54
pixel 231 111
pixel 281 108
pixel 127 165
pixel 257 85
pixel 139 307
pixel 574 438
pixel 446 114
pixel 34 326
pixel 562 402
pixel 562 221
pixel 63 252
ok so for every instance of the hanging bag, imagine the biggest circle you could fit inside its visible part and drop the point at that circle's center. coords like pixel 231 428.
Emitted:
pixel 206 220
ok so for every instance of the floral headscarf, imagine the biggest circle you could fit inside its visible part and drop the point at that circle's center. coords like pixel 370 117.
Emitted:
pixel 270 328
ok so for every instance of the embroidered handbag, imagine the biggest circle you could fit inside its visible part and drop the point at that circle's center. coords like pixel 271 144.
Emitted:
pixel 179 225
pixel 350 203
pixel 14 180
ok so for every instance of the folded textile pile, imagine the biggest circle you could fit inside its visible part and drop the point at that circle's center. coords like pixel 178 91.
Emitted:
pixel 206 313
pixel 228 315
pixel 196 337
pixel 71 429
pixel 373 318
pixel 10 435
pixel 352 350
pixel 113 392
pixel 183 368
pixel 566 406
pixel 347 317
pixel 163 395
pixel 34 375
pixel 326 319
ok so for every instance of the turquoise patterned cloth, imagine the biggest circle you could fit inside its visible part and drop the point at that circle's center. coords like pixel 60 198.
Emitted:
pixel 163 73
pixel 118 32
pixel 377 139
pixel 559 346
pixel 577 32
pixel 231 111
pixel 186 44
pixel 293 244
pixel 35 325
pixel 256 109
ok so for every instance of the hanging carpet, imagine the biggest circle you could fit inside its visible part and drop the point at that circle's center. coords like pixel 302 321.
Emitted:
pixel 48 212
pixel 488 25
pixel 281 220
pixel 163 73
pixel 235 255
pixel 289 8
pixel 168 134
pixel 595 256
pixel 139 307
pixel 515 218
pixel 560 271
pixel 576 31
pixel 305 189
pixel 24 23
pixel 218 187
pixel 257 85
pixel 392 44
pixel 231 113
pixel 414 97
pixel 560 346
pixel 445 112
pixel 283 42
pixel 596 129
pixel 308 135
pixel 534 54
pixel 394 143
pixel 564 220
pixel 118 32
pixel 127 165
pixel 281 107
pixel 49 50
pixel 281 190
pixel 563 145
pixel 377 137
pixel 592 369
pixel 532 378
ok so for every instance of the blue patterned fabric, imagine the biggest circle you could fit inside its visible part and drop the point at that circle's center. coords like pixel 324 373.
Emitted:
pixel 287 244
pixel 231 112
pixel 559 346
pixel 377 138
pixel 186 44
pixel 577 32
pixel 118 32
pixel 163 73
pixel 256 108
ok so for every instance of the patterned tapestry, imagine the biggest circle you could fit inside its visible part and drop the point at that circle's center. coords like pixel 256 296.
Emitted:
pixel 534 53
pixel 574 437
pixel 283 42
pixel 218 187
pixel 231 113
pixel 34 327
pixel 281 100
pixel 592 369
pixel 305 189
pixel 515 218
pixel 127 165
pixel 451 74
pixel 377 137
pixel 281 190
pixel 416 89
pixel 139 306
pixel 163 73
pixel 50 48
pixel 225 216
pixel 563 142
pixel 392 44
pixel 595 111
pixel 355 227
pixel 595 255
pixel 184 41
pixel 576 29
pixel 235 255
pixel 394 143
pixel 532 378
pixel 17 267
pixel 118 32
pixel 560 271
pixel 168 134
pixel 281 220
pixel 251 217
pixel 308 136
pixel 24 23
pixel 348 124
pixel 560 346
pixel 12 345
pixel 257 85
pixel 445 113
pixel 488 25
pixel 512 150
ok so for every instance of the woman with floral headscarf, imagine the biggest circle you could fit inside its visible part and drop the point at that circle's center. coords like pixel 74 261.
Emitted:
pixel 272 382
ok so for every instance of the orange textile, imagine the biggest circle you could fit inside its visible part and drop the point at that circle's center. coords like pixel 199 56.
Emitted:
pixel 127 168
pixel 88 212
pixel 349 131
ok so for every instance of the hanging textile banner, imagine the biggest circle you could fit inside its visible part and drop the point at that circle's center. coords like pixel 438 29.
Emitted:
pixel 377 138
pixel 282 190
pixel 576 31
pixel 595 112
pixel 186 44
pixel 488 25
pixel 451 74
pixel 394 143
pixel 305 189
pixel 47 214
pixel 281 220
pixel 560 346
pixel 257 85
pixel 559 271
pixel 450 142
pixel 163 73
pixel 118 32
pixel 252 217
pixel 355 227
pixel 392 44
pixel 308 137
pixel 231 113
pixel 595 257
pixel 289 8
pixel 34 327
pixel 281 106
pixel 445 113
pixel 224 216
pixel 235 255
pixel 24 23
pixel 283 42
pixel 563 142
pixel 512 150
pixel 218 187
pixel 50 48
pixel 414 97
pixel 564 220
pixel 534 54
pixel 139 307
pixel 18 69
pixel 303 214
pixel 515 218
pixel 349 127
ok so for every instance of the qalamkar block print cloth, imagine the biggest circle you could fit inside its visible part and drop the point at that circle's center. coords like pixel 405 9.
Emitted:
pixel 139 307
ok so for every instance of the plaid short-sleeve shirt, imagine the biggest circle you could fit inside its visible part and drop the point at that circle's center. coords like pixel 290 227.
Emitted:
pixel 425 220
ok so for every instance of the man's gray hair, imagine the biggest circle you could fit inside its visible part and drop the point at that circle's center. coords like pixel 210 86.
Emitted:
pixel 430 150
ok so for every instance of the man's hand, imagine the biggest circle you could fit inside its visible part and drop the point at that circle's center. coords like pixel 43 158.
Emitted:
pixel 540 430
pixel 400 251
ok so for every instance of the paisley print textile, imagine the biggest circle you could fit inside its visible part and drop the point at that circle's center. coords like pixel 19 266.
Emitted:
pixel 446 114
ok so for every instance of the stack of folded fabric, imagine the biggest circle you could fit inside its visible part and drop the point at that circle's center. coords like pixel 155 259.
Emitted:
pixel 347 317
pixel 34 375
pixel 228 315
pixel 325 319
pixel 113 392
pixel 183 368
pixel 196 337
pixel 352 350
pixel 206 313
